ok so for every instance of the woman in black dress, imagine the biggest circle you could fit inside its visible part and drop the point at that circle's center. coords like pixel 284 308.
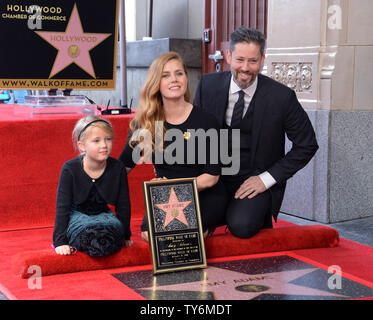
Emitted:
pixel 164 113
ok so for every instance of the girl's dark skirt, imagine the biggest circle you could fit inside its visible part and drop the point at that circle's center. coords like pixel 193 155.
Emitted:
pixel 95 235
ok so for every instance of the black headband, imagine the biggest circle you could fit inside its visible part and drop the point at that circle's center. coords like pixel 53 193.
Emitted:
pixel 88 125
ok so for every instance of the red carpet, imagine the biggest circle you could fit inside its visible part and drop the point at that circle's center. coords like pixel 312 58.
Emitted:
pixel 35 151
pixel 354 259
pixel 279 239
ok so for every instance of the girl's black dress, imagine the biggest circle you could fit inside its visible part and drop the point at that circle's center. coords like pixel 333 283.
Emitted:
pixel 83 217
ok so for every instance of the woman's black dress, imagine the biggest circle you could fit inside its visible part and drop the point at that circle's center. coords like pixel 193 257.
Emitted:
pixel 196 160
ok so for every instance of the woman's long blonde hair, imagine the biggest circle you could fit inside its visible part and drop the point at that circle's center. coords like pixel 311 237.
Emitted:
pixel 150 108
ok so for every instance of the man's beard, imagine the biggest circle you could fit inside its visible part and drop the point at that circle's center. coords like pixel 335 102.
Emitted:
pixel 245 84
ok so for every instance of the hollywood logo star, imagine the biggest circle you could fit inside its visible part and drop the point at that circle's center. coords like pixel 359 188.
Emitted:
pixel 73 45
pixel 174 209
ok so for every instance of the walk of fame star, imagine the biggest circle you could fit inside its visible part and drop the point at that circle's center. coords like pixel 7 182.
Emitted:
pixel 73 45
pixel 232 285
pixel 174 209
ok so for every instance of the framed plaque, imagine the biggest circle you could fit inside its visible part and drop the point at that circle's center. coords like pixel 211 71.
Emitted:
pixel 174 224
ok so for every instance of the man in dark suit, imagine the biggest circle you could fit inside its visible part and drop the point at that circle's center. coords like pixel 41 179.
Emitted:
pixel 264 111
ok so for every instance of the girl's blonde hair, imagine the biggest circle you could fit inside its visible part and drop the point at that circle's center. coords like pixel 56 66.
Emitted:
pixel 82 128
pixel 150 107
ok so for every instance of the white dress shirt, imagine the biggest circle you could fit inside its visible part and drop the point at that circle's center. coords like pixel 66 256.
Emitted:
pixel 266 177
pixel 234 89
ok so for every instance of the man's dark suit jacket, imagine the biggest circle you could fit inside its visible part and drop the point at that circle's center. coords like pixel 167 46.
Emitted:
pixel 276 112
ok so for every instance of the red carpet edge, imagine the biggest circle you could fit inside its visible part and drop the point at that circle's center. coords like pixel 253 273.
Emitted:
pixel 267 240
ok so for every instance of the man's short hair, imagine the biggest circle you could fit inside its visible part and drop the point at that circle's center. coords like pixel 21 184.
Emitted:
pixel 245 34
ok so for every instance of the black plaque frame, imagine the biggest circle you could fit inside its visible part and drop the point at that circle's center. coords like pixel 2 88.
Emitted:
pixel 176 243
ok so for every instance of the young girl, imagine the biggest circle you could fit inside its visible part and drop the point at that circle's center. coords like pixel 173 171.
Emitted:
pixel 87 185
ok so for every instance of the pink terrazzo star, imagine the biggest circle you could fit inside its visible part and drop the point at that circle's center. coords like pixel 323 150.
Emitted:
pixel 174 209
pixel 232 285
pixel 73 45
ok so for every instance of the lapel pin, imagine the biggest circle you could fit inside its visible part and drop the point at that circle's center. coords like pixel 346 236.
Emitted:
pixel 187 135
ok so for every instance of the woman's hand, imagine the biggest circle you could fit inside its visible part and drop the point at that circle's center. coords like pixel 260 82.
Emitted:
pixel 145 236
pixel 158 179
pixel 128 243
pixel 64 250
pixel 205 181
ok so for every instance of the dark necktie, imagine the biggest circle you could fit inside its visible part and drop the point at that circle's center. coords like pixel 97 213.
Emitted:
pixel 238 110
